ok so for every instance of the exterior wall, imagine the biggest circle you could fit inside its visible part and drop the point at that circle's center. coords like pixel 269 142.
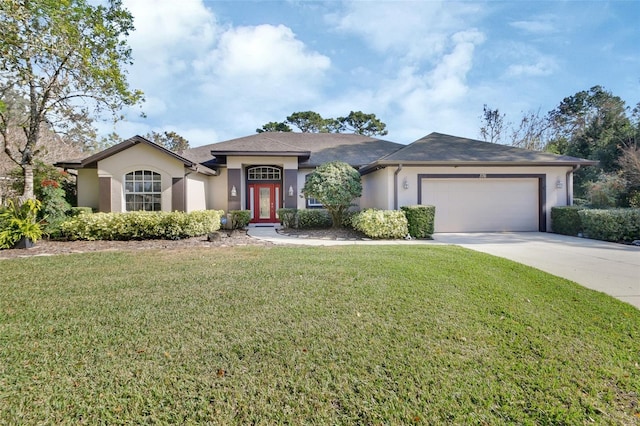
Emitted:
pixel 139 157
pixel 235 164
pixel 302 201
pixel 555 191
pixel 88 194
pixel 197 192
pixel 377 189
pixel 217 191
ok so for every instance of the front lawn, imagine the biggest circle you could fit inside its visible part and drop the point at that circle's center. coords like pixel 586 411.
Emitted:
pixel 283 335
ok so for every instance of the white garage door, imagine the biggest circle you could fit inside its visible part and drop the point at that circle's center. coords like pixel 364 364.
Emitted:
pixel 483 205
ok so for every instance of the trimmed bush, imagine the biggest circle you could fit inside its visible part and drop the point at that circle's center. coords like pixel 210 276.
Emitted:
pixel 420 220
pixel 141 225
pixel 314 218
pixel 347 218
pixel 387 224
pixel 240 218
pixel 565 220
pixel 611 224
pixel 76 211
pixel 288 217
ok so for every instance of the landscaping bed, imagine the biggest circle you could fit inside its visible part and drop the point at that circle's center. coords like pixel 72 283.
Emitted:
pixel 52 247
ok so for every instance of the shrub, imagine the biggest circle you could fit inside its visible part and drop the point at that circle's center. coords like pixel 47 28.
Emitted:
pixel 76 211
pixel 565 220
pixel 607 191
pixel 141 225
pixel 420 220
pixel 288 217
pixel 381 223
pixel 314 218
pixel 611 225
pixel 240 218
pixel 19 220
pixel 347 218
pixel 335 185
pixel 54 207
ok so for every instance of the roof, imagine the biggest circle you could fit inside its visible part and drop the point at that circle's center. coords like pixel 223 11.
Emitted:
pixel 312 149
pixel 441 149
pixel 92 161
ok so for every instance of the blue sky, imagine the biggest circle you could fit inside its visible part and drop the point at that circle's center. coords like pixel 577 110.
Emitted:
pixel 216 70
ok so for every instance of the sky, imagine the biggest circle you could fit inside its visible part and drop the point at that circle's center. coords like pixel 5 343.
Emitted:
pixel 217 70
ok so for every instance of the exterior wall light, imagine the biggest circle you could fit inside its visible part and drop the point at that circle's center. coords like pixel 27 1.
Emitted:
pixel 405 183
pixel 290 191
pixel 233 191
pixel 558 184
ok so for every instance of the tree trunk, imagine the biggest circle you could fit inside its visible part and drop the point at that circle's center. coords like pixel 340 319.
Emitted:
pixel 28 182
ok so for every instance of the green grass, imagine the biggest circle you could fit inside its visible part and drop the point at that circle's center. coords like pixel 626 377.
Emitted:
pixel 339 335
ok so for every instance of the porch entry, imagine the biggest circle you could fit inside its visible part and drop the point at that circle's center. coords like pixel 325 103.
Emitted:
pixel 264 202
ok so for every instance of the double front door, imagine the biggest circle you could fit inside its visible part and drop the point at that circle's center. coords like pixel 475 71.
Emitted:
pixel 264 202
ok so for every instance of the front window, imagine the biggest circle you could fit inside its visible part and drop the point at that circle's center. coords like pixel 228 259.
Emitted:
pixel 312 202
pixel 143 191
pixel 264 173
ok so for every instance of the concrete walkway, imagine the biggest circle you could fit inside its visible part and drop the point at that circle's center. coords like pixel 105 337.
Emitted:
pixel 611 268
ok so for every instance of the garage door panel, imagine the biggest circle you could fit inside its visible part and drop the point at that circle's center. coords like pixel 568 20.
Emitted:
pixel 483 205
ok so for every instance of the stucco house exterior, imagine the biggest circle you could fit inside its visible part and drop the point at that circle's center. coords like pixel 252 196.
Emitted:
pixel 476 186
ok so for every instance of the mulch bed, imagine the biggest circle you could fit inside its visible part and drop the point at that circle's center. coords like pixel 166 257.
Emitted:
pixel 50 247
pixel 324 234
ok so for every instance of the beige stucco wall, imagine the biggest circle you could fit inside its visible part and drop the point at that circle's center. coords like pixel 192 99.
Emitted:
pixel 139 157
pixel 87 187
pixel 555 196
pixel 377 189
pixel 196 190
pixel 217 190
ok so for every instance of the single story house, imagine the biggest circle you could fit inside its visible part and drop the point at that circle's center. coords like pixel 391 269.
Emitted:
pixel 476 186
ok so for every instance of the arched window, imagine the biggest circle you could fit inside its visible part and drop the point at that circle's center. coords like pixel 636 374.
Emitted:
pixel 264 173
pixel 143 191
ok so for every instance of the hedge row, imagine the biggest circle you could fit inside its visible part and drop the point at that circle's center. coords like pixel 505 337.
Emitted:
pixel 565 220
pixel 387 224
pixel 305 219
pixel 421 220
pixel 611 224
pixel 599 224
pixel 141 225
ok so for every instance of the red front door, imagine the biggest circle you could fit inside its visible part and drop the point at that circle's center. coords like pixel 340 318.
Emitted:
pixel 264 202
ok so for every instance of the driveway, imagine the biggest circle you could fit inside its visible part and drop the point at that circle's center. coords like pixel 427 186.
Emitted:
pixel 607 267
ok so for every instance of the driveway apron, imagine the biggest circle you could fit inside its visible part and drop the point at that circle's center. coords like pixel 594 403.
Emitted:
pixel 607 267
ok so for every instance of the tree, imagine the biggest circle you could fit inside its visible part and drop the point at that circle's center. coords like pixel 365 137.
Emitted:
pixel 312 122
pixel 591 124
pixel 492 125
pixel 531 133
pixel 170 140
pixel 362 124
pixel 64 60
pixel 308 122
pixel 274 126
pixel 335 185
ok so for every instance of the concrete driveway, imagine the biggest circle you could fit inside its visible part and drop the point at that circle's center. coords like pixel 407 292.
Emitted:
pixel 607 267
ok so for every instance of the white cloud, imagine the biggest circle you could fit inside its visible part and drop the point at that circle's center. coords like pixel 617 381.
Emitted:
pixel 167 35
pixel 415 30
pixel 528 61
pixel 545 24
pixel 194 70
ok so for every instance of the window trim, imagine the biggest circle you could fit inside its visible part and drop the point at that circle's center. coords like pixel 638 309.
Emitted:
pixel 143 198
pixel 310 202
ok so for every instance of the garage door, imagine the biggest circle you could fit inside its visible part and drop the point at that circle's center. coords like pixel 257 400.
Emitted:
pixel 483 205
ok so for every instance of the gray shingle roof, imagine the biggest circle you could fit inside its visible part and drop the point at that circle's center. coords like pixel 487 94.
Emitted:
pixel 437 148
pixel 313 149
